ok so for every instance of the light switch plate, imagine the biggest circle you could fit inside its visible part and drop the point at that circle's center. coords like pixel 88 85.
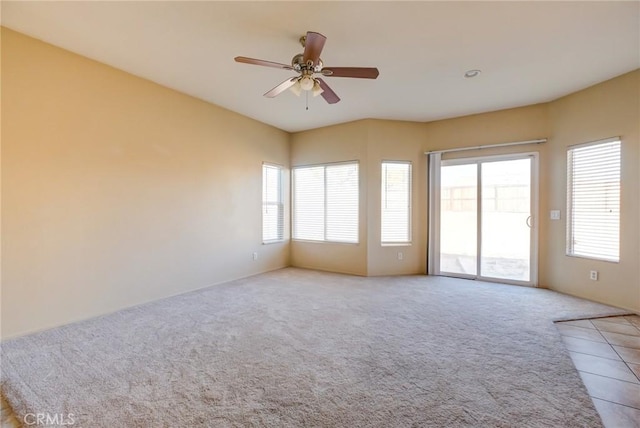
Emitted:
pixel 554 214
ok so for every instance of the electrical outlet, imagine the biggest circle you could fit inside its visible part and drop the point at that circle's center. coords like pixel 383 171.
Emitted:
pixel 255 256
pixel 593 275
pixel 400 255
pixel 554 214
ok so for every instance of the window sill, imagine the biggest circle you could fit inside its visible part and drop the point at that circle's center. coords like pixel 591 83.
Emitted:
pixel 311 241
pixel 599 259
pixel 278 241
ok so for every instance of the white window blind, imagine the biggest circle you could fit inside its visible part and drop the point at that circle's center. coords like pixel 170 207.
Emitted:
pixel 593 199
pixel 396 203
pixel 308 203
pixel 272 206
pixel 325 202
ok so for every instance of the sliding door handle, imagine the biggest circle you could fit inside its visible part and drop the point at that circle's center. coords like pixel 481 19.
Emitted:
pixel 528 221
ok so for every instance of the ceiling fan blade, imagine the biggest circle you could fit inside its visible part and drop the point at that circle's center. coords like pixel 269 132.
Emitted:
pixel 253 61
pixel 313 47
pixel 281 87
pixel 327 93
pixel 359 72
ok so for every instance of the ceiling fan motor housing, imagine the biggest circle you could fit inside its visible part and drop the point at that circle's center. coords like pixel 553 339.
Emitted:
pixel 298 64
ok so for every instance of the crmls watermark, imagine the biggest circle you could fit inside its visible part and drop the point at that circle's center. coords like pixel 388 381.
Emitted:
pixel 49 419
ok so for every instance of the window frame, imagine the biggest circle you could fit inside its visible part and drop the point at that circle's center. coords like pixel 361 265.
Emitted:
pixel 409 240
pixel 325 240
pixel 279 204
pixel 570 233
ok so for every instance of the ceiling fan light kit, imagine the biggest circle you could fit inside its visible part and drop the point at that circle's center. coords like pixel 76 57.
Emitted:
pixel 299 86
pixel 306 83
pixel 317 89
pixel 307 64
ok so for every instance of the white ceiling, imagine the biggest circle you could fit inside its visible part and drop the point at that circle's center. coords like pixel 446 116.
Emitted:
pixel 529 52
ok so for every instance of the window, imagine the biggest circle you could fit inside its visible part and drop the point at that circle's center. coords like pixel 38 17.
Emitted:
pixel 396 203
pixel 593 200
pixel 325 202
pixel 272 206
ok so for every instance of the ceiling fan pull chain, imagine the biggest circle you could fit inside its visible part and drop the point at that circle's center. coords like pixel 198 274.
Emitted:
pixel 307 98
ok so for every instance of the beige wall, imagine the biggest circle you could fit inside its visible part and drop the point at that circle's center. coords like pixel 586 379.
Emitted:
pixel 399 141
pixel 345 142
pixel 518 124
pixel 117 191
pixel 371 142
pixel 608 109
pixel 605 110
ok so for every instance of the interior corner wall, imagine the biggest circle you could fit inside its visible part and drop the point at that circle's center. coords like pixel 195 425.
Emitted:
pixel 369 142
pixel 339 143
pixel 107 177
pixel 502 126
pixel 117 191
pixel 392 140
pixel 608 109
pixel 372 141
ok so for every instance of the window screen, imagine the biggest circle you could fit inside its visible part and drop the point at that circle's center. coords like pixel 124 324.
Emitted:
pixel 593 196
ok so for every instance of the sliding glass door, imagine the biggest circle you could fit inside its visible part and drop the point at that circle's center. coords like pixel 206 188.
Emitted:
pixel 506 220
pixel 485 219
pixel 459 220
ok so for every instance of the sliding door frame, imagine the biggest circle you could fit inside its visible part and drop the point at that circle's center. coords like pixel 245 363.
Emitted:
pixel 435 163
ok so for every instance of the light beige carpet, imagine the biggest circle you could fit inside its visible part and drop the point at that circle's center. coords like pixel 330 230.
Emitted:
pixel 298 348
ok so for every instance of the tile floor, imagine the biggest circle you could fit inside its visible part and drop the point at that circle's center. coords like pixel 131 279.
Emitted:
pixel 606 352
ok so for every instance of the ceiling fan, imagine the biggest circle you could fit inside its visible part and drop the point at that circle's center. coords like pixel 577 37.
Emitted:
pixel 308 64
